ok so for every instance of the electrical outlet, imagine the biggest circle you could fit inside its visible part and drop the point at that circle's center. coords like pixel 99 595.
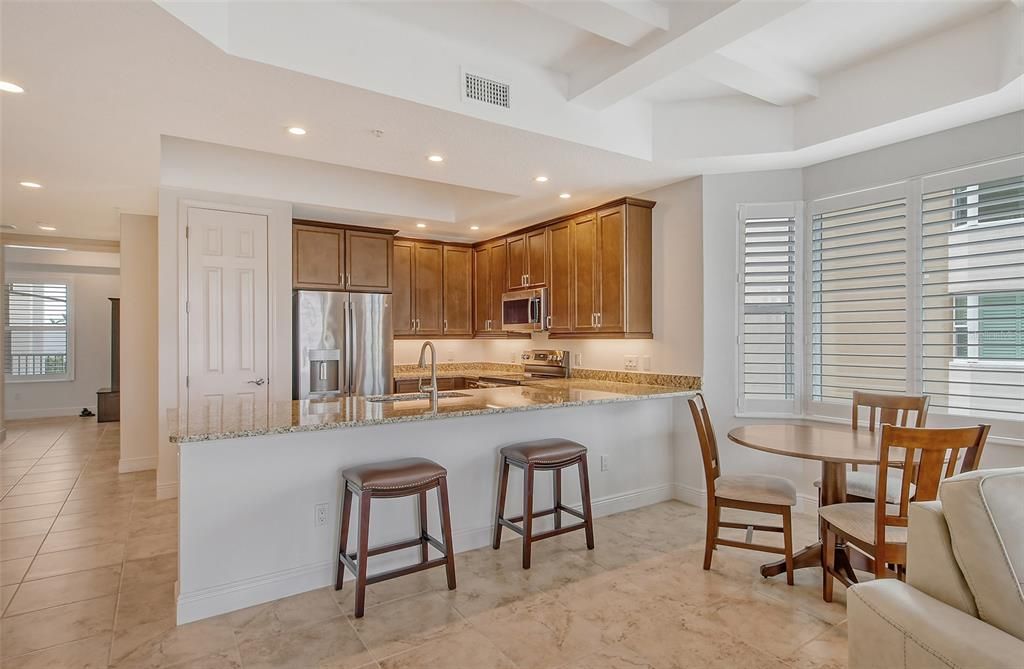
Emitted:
pixel 645 363
pixel 577 359
pixel 320 514
pixel 604 463
pixel 632 362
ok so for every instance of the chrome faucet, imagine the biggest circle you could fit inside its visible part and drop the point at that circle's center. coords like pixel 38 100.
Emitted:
pixel 433 371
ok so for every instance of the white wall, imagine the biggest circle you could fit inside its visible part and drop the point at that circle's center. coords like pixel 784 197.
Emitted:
pixel 94 278
pixel 171 323
pixel 139 355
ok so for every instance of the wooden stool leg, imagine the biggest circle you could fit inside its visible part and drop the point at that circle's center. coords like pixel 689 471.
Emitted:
pixel 499 512
pixel 446 530
pixel 346 512
pixel 828 555
pixel 712 532
pixel 363 550
pixel 424 546
pixel 527 514
pixel 557 483
pixel 588 515
pixel 787 537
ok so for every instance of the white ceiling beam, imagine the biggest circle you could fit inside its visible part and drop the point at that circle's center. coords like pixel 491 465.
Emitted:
pixel 758 77
pixel 623 21
pixel 660 55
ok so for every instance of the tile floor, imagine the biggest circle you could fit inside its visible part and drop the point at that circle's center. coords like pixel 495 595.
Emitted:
pixel 89 562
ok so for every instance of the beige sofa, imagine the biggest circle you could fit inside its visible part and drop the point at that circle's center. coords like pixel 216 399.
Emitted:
pixel 962 604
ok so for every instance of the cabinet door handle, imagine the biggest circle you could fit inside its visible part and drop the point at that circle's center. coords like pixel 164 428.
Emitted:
pixel 348 279
pixel 548 322
pixel 598 319
pixel 446 325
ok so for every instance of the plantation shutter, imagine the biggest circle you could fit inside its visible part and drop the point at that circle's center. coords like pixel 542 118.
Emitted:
pixel 37 335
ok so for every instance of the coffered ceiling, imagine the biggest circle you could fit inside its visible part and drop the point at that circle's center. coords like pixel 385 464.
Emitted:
pixel 606 97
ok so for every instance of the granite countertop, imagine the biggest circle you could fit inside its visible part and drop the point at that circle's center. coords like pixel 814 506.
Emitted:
pixel 312 415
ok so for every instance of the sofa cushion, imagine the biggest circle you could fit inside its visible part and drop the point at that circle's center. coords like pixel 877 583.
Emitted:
pixel 931 565
pixel 985 513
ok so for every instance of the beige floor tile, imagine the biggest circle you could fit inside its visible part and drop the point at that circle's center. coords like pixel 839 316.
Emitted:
pixel 152 545
pixel 99 518
pixel 150 509
pixel 105 489
pixel 150 571
pixel 16 501
pixel 30 512
pixel 41 468
pixel 88 536
pixel 49 627
pixel 24 528
pixel 12 571
pixel 612 657
pixel 283 615
pixel 46 477
pixel 24 488
pixel 225 659
pixel 827 651
pixel 177 645
pixel 167 522
pixel 768 624
pixel 6 595
pixel 83 654
pixel 57 590
pixel 21 547
pixel 329 643
pixel 118 508
pixel 77 559
pixel 431 580
pixel 467 649
pixel 407 623
pixel 144 614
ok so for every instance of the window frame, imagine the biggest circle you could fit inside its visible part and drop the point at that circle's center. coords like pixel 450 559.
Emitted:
pixel 33 278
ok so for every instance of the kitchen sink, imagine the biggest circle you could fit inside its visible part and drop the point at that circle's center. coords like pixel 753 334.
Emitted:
pixel 405 397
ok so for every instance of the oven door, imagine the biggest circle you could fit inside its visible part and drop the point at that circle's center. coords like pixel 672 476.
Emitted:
pixel 524 310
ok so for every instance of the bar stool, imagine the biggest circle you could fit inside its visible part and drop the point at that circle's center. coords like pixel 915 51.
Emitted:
pixel 396 478
pixel 543 455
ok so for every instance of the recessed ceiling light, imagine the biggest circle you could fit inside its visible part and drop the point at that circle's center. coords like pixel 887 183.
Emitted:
pixel 474 227
pixel 34 248
pixel 296 130
pixel 9 87
pixel 565 196
pixel 30 184
pixel 421 225
pixel 435 158
pixel 48 228
pixel 540 179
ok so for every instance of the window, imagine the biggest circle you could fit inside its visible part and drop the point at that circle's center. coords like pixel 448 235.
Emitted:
pixel 972 297
pixel 768 287
pixel 38 331
pixel 858 299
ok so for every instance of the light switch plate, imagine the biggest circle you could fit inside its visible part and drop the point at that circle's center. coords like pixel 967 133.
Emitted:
pixel 577 359
pixel 645 363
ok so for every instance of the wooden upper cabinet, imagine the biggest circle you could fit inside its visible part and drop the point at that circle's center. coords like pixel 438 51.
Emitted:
pixel 516 268
pixel 458 291
pixel 537 257
pixel 368 257
pixel 560 280
pixel 402 312
pixel 611 269
pixel 481 288
pixel 585 298
pixel 318 255
pixel 428 286
pixel 498 285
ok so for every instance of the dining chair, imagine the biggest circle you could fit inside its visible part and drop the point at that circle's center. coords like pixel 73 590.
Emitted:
pixel 750 492
pixel 879 528
pixel 884 408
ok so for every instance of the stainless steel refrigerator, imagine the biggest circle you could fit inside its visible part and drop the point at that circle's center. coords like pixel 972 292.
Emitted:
pixel 343 343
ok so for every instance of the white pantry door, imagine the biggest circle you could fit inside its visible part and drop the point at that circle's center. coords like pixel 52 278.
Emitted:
pixel 228 328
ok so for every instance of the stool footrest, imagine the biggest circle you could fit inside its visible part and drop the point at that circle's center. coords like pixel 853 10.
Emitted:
pixel 509 523
pixel 548 512
pixel 403 571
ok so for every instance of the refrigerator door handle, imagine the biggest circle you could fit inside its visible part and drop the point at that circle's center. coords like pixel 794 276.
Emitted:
pixel 352 347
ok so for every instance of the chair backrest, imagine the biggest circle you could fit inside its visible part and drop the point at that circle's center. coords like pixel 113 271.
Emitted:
pixel 708 444
pixel 891 409
pixel 927 455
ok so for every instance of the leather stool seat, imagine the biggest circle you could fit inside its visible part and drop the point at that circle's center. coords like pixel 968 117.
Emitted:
pixel 544 451
pixel 394 474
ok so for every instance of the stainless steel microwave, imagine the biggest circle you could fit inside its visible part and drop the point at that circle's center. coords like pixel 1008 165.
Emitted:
pixel 524 310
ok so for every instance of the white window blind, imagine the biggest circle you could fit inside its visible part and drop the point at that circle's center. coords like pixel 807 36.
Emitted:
pixel 858 300
pixel 37 331
pixel 768 332
pixel 972 298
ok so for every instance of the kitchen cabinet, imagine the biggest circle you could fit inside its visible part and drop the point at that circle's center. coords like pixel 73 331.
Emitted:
pixel 443 383
pixel 611 272
pixel 560 281
pixel 332 257
pixel 458 291
pixel 418 288
pixel 489 284
pixel 527 259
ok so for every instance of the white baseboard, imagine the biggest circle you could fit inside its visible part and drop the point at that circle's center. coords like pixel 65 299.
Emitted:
pixel 268 587
pixel 23 414
pixel 167 490
pixel 125 465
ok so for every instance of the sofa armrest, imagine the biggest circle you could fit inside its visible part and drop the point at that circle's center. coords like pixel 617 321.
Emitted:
pixel 894 626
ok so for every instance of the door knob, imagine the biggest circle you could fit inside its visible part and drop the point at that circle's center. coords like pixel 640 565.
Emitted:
pixel 258 382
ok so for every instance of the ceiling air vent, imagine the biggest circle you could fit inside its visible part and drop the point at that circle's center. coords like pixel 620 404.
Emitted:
pixel 482 89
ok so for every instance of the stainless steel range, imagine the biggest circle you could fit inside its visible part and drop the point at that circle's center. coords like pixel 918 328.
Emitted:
pixel 538 365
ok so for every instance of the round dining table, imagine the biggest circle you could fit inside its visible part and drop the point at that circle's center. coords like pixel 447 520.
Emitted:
pixel 835 446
